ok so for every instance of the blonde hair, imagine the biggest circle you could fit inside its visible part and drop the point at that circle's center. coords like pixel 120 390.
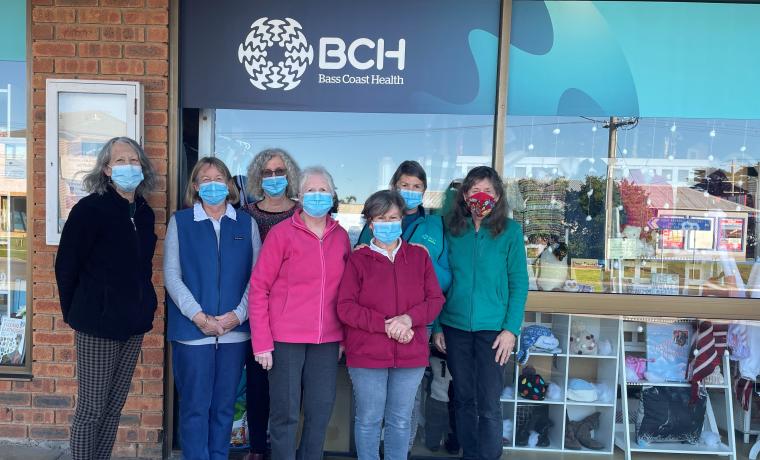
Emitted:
pixel 191 195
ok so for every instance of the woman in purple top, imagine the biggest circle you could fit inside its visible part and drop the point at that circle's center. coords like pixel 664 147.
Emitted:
pixel 273 178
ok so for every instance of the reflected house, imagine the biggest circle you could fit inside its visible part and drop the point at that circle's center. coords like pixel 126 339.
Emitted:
pixel 81 136
pixel 714 225
pixel 13 224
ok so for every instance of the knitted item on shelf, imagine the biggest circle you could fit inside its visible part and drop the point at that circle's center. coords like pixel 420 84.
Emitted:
pixel 706 353
pixel 544 211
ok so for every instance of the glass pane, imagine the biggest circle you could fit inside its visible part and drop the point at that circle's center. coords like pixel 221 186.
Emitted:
pixel 86 122
pixel 361 151
pixel 555 173
pixel 689 208
pixel 13 180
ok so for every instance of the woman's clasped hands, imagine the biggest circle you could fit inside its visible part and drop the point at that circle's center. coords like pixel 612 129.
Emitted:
pixel 216 325
pixel 399 328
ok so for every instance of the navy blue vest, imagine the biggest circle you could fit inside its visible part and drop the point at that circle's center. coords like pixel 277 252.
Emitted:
pixel 217 277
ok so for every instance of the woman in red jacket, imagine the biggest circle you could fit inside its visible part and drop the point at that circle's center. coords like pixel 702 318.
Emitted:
pixel 388 295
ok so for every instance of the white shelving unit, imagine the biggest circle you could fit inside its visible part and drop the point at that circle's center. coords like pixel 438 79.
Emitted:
pixel 631 341
pixel 559 369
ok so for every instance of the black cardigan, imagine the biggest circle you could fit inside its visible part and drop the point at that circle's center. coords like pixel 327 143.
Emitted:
pixel 104 267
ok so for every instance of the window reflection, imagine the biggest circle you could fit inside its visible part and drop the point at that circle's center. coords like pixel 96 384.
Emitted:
pixel 679 218
pixel 360 150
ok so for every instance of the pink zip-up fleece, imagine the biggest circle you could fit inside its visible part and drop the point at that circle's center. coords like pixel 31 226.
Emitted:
pixel 294 285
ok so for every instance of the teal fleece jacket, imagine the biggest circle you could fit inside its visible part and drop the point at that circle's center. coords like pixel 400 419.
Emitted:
pixel 489 280
pixel 428 231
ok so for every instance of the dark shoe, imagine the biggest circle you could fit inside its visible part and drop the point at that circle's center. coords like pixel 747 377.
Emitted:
pixel 571 440
pixel 585 427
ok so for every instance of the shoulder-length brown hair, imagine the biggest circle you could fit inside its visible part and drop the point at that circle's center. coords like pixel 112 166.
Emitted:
pixel 459 214
pixel 191 196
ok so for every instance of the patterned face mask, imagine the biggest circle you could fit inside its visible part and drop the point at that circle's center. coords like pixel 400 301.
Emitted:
pixel 481 204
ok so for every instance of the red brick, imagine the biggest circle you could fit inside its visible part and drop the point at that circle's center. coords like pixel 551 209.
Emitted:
pixel 153 387
pixel 153 341
pixel 157 68
pixel 155 134
pixel 157 3
pixel 79 66
pixel 154 84
pixel 42 32
pixel 49 433
pixel 53 49
pixel 43 290
pixel 43 65
pixel 77 33
pixel 53 338
pixel 36 385
pixel 42 2
pixel 146 51
pixel 65 15
pixel 42 354
pixel 156 101
pixel 155 17
pixel 42 323
pixel 6 415
pixel 66 386
pixel 76 2
pixel 152 420
pixel 123 3
pixel 36 416
pixel 157 34
pixel 53 370
pixel 143 403
pixel 60 325
pixel 99 16
pixel 123 34
pixel 122 66
pixel 6 385
pixel 12 431
pixel 112 50
pixel 65 355
pixel 153 356
pixel 47 306
pixel 64 416
pixel 43 258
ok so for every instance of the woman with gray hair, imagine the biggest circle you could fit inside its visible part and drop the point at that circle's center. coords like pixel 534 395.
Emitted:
pixel 273 178
pixel 388 296
pixel 295 329
pixel 103 270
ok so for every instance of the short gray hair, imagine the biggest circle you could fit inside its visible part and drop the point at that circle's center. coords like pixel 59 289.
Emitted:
pixel 256 172
pixel 381 202
pixel 96 180
pixel 316 171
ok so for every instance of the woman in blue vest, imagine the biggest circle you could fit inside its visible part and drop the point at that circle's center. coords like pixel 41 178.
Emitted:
pixel 423 228
pixel 208 254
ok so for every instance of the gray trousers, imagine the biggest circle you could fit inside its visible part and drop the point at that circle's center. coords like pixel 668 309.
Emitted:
pixel 297 369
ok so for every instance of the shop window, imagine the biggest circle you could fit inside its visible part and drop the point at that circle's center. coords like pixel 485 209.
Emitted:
pixel 678 218
pixel 361 151
pixel 14 254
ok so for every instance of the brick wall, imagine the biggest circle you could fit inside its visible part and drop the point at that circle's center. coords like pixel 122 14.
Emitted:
pixel 91 39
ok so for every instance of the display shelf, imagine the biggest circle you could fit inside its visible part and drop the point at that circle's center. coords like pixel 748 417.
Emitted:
pixel 675 447
pixel 632 342
pixel 559 368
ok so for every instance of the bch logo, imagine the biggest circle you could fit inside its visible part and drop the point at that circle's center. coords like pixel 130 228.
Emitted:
pixel 285 36
pixel 265 34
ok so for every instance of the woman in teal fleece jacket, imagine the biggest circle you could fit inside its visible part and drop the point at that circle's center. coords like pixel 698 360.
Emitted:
pixel 418 225
pixel 484 307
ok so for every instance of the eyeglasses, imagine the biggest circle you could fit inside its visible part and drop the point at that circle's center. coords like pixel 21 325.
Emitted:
pixel 276 172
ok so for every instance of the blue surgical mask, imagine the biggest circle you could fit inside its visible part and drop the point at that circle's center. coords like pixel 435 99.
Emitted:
pixel 317 204
pixel 412 198
pixel 274 186
pixel 386 232
pixel 127 177
pixel 213 193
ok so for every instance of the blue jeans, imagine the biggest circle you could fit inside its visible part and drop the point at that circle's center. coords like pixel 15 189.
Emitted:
pixel 384 394
pixel 207 378
pixel 478 380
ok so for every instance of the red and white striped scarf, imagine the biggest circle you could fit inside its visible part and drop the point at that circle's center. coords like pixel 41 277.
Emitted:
pixel 707 353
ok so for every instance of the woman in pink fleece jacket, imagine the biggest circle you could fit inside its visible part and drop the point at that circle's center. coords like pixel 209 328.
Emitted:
pixel 295 329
